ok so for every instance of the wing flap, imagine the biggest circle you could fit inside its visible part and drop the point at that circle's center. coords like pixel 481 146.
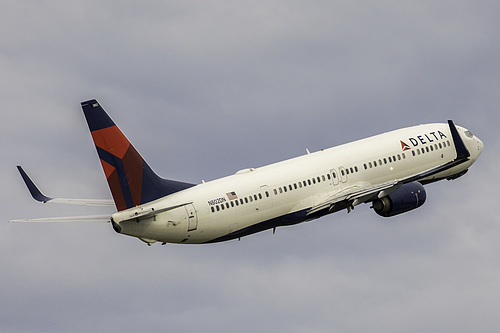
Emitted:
pixel 355 195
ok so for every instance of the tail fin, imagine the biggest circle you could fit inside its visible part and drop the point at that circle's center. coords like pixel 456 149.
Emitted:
pixel 131 181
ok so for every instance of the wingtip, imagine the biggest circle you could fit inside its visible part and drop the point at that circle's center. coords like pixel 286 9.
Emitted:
pixel 90 101
pixel 34 190
pixel 461 149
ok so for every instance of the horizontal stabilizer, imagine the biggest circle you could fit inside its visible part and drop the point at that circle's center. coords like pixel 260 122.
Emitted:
pixel 39 196
pixel 91 218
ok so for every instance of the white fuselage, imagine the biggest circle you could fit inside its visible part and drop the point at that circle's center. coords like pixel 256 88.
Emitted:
pixel 282 193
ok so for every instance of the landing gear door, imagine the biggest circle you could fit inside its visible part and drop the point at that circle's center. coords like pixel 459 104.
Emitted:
pixel 192 217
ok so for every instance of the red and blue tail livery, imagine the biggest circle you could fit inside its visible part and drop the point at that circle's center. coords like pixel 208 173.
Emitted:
pixel 131 181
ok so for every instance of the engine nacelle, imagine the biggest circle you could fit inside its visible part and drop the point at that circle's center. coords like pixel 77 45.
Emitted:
pixel 407 197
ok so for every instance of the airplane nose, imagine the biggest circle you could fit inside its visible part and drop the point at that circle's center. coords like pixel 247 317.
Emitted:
pixel 480 146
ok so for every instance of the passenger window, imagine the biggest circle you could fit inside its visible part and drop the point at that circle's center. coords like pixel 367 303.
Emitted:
pixel 267 194
pixel 213 209
pixel 385 160
pixel 222 206
pixel 217 207
pixel 232 203
pixel 290 187
pixel 246 200
pixel 309 181
pixel 390 159
pixel 227 205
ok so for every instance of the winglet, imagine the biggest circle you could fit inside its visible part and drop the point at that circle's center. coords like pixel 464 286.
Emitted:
pixel 34 190
pixel 462 152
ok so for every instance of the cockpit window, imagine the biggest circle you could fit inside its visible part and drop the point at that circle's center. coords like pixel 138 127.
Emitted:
pixel 469 134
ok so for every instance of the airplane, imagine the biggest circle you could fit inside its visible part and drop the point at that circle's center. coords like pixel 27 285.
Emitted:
pixel 387 171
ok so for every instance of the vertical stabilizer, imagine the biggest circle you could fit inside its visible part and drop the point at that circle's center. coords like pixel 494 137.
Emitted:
pixel 131 181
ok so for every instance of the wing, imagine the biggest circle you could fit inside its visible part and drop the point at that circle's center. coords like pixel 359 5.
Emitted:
pixel 354 195
pixel 362 193
pixel 39 196
pixel 91 218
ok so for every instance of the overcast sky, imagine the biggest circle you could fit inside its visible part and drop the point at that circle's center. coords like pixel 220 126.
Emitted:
pixel 206 88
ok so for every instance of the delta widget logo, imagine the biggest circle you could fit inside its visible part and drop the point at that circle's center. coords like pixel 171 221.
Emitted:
pixel 423 140
pixel 404 146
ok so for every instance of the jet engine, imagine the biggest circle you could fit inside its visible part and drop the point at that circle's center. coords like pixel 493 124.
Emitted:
pixel 407 197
